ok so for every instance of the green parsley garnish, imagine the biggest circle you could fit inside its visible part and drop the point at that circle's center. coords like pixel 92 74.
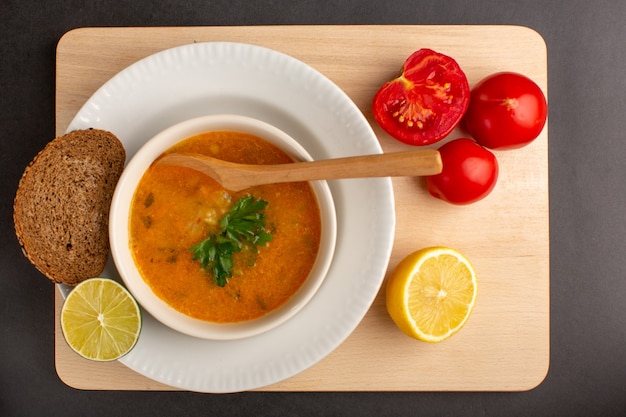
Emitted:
pixel 242 227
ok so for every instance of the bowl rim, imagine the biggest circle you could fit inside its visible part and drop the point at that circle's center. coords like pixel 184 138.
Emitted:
pixel 119 235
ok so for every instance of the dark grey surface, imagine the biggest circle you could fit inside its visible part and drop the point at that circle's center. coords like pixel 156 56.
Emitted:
pixel 587 95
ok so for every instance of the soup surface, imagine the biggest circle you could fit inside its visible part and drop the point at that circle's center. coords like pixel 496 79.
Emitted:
pixel 174 208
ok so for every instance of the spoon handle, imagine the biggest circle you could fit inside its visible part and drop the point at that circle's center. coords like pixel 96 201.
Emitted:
pixel 409 163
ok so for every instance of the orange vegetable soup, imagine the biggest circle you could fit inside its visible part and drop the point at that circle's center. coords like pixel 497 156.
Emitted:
pixel 175 208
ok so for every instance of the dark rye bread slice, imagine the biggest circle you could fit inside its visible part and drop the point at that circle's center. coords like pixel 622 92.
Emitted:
pixel 61 208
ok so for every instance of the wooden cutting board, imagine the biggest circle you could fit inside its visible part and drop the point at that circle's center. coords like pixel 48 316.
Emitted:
pixel 505 344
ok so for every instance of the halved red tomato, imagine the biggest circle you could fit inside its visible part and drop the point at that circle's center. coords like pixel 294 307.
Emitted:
pixel 426 102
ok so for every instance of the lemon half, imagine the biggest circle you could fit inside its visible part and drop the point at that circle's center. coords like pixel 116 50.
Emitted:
pixel 100 320
pixel 431 293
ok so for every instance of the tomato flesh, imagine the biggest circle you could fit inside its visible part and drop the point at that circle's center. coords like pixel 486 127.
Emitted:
pixel 426 102
pixel 506 111
pixel 469 173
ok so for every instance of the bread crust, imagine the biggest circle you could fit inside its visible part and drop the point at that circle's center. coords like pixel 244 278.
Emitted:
pixel 61 208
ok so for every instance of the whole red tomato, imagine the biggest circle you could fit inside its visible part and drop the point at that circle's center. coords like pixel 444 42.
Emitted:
pixel 506 110
pixel 426 102
pixel 469 172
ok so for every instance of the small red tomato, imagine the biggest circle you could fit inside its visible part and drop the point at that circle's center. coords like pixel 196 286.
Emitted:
pixel 468 174
pixel 506 111
pixel 426 102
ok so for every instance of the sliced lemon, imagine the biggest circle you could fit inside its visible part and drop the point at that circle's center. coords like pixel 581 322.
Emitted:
pixel 100 320
pixel 431 293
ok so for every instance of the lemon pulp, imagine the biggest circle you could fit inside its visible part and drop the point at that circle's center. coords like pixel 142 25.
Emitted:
pixel 100 320
pixel 431 293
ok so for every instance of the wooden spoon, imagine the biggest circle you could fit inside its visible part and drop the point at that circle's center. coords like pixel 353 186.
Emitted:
pixel 237 177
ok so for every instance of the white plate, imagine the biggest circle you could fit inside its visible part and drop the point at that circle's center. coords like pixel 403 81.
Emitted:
pixel 224 77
